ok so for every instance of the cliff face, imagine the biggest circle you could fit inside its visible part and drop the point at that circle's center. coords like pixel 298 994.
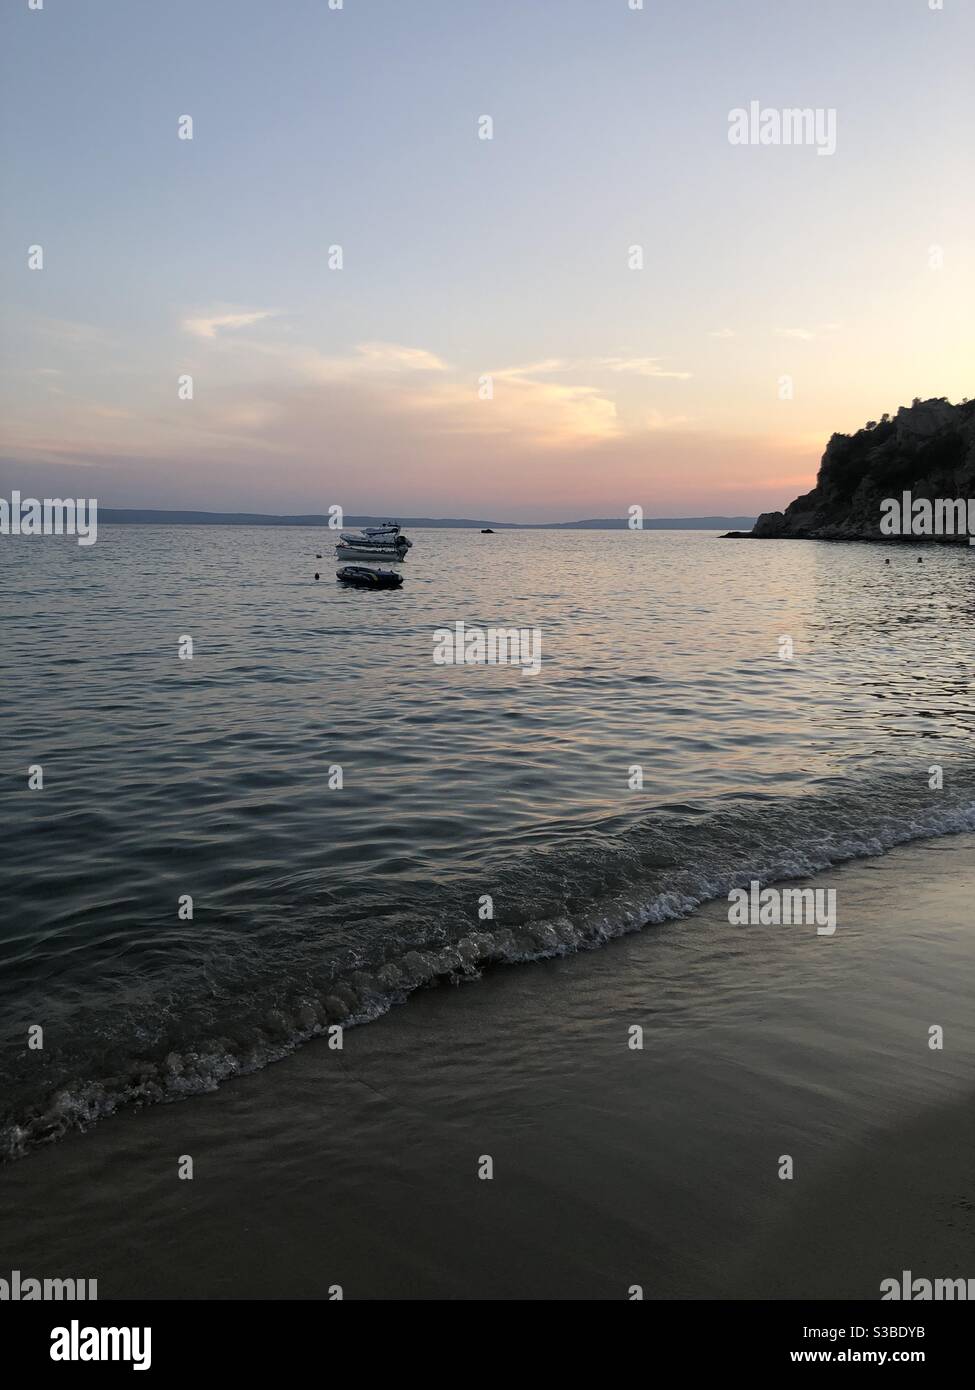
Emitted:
pixel 927 449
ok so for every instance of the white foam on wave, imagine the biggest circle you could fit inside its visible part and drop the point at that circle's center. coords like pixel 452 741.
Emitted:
pixel 366 995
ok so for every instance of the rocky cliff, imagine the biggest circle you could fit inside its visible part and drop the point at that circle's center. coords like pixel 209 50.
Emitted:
pixel 927 449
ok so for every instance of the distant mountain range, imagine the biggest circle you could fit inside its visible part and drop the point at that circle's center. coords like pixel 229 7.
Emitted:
pixel 136 517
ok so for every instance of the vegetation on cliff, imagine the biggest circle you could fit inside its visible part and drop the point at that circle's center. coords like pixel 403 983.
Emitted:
pixel 926 449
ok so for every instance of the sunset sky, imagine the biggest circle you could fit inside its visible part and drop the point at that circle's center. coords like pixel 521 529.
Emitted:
pixel 466 258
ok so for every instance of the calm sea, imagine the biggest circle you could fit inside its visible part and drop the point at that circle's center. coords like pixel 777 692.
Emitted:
pixel 352 820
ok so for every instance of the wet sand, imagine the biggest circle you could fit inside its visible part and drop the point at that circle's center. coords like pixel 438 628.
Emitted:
pixel 613 1167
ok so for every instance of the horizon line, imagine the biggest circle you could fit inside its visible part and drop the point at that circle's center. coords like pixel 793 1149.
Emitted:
pixel 194 516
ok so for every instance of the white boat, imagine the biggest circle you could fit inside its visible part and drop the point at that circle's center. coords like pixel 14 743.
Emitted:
pixel 390 535
pixel 385 542
pixel 386 528
pixel 352 538
pixel 382 529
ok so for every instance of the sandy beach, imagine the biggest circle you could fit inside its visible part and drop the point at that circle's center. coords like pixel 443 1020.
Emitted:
pixel 612 1167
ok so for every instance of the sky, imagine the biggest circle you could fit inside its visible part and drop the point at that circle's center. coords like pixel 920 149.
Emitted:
pixel 489 346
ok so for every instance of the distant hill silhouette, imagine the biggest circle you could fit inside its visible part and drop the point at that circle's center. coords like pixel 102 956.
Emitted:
pixel 127 516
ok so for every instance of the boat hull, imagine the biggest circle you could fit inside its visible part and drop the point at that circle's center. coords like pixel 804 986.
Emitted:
pixel 369 552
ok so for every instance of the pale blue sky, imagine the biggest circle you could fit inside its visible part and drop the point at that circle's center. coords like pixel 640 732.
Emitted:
pixel 358 127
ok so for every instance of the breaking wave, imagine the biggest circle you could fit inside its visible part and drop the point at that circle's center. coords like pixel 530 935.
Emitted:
pixel 174 1041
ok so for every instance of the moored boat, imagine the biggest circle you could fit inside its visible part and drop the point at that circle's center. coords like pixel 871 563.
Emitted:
pixel 385 542
pixel 383 529
pixel 365 578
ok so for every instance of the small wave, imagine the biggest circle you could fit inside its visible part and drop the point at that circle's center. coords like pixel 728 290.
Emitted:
pixel 727 851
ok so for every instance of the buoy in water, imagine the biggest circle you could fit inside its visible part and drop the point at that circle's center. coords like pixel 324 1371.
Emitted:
pixel 316 574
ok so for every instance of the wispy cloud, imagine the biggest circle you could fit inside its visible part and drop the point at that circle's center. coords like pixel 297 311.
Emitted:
pixel 638 366
pixel 635 366
pixel 209 325
pixel 399 411
pixel 722 333
pixel 372 359
pixel 392 356
pixel 524 406
pixel 531 414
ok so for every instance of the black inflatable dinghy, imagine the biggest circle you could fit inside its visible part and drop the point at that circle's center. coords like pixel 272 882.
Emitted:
pixel 365 578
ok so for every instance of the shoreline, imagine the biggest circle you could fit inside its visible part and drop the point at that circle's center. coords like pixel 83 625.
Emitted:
pixel 612 1167
pixel 201 1065
pixel 844 540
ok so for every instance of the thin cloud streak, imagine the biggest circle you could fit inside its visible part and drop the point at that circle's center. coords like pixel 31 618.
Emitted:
pixel 208 326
